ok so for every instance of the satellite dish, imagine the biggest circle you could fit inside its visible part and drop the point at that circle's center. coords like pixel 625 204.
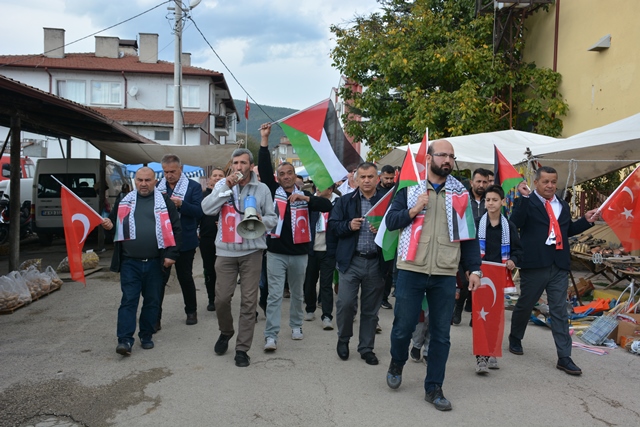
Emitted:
pixel 194 3
pixel 133 91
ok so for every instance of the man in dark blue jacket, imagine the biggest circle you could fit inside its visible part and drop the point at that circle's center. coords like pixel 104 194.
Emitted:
pixel 359 262
pixel 186 195
pixel 545 227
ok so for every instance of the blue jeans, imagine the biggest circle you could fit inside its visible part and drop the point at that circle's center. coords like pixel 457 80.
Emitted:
pixel 279 269
pixel 139 278
pixel 441 292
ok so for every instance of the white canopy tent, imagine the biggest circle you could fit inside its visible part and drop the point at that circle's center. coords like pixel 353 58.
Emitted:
pixel 476 151
pixel 577 159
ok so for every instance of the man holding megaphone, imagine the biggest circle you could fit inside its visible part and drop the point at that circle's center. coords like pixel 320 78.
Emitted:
pixel 246 211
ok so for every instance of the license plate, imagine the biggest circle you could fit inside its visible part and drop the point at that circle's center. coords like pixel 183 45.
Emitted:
pixel 51 212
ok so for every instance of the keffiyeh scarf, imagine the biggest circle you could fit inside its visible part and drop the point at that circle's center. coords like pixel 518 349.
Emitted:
pixel 126 223
pixel 505 242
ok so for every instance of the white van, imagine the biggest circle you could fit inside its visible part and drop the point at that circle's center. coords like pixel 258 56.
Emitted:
pixel 81 176
pixel 26 189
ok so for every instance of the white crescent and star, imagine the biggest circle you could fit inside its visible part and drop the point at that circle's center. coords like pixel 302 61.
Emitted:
pixel 167 226
pixel 85 223
pixel 417 231
pixel 302 229
pixel 485 281
pixel 226 220
pixel 628 190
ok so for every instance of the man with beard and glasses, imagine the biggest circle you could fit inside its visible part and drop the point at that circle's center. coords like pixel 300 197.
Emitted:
pixel 433 241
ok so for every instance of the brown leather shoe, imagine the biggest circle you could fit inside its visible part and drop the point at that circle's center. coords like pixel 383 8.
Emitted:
pixel 192 318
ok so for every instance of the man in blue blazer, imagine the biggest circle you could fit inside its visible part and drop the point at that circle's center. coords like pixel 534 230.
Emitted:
pixel 186 194
pixel 545 227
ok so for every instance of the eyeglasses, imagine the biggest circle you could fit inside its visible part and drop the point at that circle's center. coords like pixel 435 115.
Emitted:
pixel 451 156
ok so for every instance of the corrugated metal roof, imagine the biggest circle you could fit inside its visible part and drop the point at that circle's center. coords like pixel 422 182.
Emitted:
pixel 135 115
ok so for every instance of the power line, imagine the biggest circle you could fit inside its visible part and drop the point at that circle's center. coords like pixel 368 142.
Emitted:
pixel 230 72
pixel 93 34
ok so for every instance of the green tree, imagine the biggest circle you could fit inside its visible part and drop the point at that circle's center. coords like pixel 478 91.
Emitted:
pixel 430 63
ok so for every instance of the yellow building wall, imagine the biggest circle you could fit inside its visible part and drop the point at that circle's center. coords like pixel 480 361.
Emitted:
pixel 600 87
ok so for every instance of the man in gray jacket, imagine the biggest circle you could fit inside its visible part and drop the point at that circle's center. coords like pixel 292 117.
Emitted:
pixel 235 255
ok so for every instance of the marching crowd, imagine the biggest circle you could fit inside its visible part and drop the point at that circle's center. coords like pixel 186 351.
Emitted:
pixel 325 237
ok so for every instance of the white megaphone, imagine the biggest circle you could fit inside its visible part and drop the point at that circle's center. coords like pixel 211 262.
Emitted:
pixel 251 227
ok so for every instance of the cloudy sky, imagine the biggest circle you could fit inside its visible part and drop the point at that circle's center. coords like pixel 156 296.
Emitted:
pixel 278 50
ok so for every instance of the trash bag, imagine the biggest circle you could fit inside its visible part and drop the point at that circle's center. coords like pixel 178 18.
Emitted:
pixel 13 284
pixel 37 282
pixel 56 282
pixel 37 262
pixel 89 260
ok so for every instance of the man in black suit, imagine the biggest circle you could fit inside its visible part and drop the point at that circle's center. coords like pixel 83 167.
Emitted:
pixel 545 226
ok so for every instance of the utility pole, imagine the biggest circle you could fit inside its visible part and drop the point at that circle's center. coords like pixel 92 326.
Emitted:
pixel 177 77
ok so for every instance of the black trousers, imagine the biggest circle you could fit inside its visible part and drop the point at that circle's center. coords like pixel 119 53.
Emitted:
pixel 184 271
pixel 208 253
pixel 319 266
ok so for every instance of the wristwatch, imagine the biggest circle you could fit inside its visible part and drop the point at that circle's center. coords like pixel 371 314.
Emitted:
pixel 477 273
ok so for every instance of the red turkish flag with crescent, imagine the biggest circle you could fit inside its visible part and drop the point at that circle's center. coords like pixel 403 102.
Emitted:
pixel 622 211
pixel 78 219
pixel 228 223
pixel 416 230
pixel 246 109
pixel 488 310
pixel 301 232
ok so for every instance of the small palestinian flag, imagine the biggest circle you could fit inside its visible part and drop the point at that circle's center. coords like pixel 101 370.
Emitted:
pixel 408 172
pixel 506 175
pixel 376 213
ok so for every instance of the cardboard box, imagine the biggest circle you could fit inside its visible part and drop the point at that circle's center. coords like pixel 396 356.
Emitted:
pixel 625 328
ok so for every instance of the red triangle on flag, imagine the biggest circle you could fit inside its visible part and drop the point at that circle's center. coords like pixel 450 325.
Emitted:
pixel 311 120
pixel 421 157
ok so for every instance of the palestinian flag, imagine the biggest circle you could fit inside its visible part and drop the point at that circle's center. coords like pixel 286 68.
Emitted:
pixel 506 175
pixel 323 148
pixel 408 172
pixel 387 239
pixel 376 213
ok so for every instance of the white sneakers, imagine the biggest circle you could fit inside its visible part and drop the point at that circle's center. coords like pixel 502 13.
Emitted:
pixel 326 324
pixel 493 363
pixel 309 317
pixel 270 344
pixel 296 334
pixel 481 365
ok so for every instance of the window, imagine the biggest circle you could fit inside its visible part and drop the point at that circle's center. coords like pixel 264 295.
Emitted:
pixel 81 184
pixel 190 96
pixel 294 150
pixel 283 149
pixel 106 93
pixel 162 135
pixel 73 90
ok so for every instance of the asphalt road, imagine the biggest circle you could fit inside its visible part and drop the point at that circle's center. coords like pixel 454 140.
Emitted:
pixel 58 367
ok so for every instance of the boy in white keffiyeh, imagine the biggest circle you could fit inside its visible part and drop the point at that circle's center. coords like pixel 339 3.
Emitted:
pixel 499 242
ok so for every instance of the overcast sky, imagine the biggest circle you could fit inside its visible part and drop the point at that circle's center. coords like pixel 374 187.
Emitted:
pixel 278 50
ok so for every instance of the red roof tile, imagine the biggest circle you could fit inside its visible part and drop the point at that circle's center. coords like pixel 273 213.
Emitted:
pixel 135 115
pixel 89 62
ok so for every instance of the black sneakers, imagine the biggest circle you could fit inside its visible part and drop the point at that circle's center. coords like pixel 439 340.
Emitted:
pixel 394 375
pixel 124 348
pixel 436 397
pixel 242 359
pixel 222 344
pixel 567 365
pixel 515 346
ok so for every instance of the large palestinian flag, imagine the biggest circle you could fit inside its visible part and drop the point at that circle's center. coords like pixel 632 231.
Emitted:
pixel 322 146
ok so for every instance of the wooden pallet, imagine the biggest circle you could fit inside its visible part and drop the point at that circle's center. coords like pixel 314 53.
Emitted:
pixel 12 309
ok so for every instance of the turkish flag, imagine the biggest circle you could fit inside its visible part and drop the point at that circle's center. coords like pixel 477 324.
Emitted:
pixel 229 220
pixel 488 310
pixel 622 211
pixel 246 109
pixel 78 219
pixel 416 230
pixel 421 157
pixel 301 230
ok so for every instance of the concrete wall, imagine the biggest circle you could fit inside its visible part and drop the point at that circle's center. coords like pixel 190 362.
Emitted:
pixel 600 87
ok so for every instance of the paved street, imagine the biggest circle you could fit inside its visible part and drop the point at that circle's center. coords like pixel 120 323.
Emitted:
pixel 59 368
